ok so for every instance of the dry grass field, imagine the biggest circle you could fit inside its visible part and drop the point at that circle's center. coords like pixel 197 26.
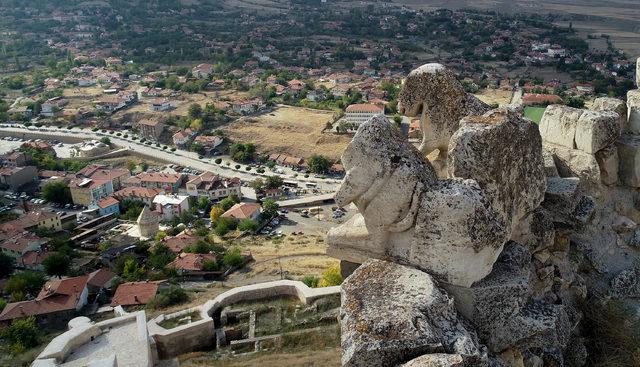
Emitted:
pixel 293 130
pixel 491 96
pixel 308 358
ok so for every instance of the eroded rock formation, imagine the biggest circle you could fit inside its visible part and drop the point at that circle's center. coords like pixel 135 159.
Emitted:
pixel 502 235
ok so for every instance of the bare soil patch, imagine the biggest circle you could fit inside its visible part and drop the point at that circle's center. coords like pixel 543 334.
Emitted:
pixel 295 131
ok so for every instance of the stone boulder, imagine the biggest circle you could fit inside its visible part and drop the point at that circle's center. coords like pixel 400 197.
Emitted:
pixel 612 104
pixel 539 325
pixel 633 112
pixel 477 151
pixel 433 92
pixel 608 162
pixel 576 163
pixel 458 236
pixel 585 130
pixel 392 314
pixel 558 125
pixel 596 130
pixel 629 156
pixel 550 168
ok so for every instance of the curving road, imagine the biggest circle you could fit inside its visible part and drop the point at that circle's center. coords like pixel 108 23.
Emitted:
pixel 179 157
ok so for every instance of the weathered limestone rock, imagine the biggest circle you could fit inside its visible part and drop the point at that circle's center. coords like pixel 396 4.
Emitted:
pixel 576 163
pixel 633 112
pixel 537 232
pixel 550 168
pixel 612 104
pixel 500 296
pixel 596 129
pixel 608 162
pixel 558 125
pixel 458 236
pixel 391 314
pixel 539 325
pixel 564 202
pixel 478 151
pixel 629 156
pixel 448 227
pixel 434 91
pixel 439 360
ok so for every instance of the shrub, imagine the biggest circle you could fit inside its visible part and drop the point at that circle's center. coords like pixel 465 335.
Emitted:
pixel 118 134
pixel 158 145
pixel 164 147
pixel 247 168
pixel 22 334
pixel 171 296
pixel 173 149
pixel 237 166
pixel 260 170
pixel 310 280
pixel 233 258
pixel 248 225
pixel 225 225
pixel 218 160
pixel 125 136
pixel 331 277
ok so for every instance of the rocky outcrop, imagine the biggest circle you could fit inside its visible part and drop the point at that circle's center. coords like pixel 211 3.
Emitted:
pixel 419 318
pixel 478 151
pixel 629 157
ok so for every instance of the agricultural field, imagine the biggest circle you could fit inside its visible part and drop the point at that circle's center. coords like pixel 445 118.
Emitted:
pixel 296 131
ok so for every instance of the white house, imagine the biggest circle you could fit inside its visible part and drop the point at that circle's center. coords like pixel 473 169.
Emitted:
pixel 161 104
pixel 169 206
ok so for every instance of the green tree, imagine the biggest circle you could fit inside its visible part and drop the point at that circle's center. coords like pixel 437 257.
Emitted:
pixel 197 147
pixel 227 203
pixel 22 334
pixel 57 192
pixel 6 265
pixel 195 111
pixel 225 225
pixel 273 182
pixel 132 271
pixel 242 152
pixel 233 258
pixel 57 265
pixel 160 256
pixel 269 209
pixel 319 164
pixel 174 295
pixel 248 225
pixel 105 140
pixel 26 282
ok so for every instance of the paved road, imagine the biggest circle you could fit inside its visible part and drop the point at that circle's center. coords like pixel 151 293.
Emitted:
pixel 179 157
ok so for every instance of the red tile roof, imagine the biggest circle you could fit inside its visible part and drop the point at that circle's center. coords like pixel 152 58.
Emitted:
pixel 242 211
pixel 136 293
pixel 193 262
pixel 107 202
pixel 178 243
pixel 137 192
pixel 100 277
pixel 56 295
pixel 362 107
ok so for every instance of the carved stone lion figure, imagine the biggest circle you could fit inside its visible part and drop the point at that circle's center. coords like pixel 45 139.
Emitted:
pixel 445 227
pixel 433 93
